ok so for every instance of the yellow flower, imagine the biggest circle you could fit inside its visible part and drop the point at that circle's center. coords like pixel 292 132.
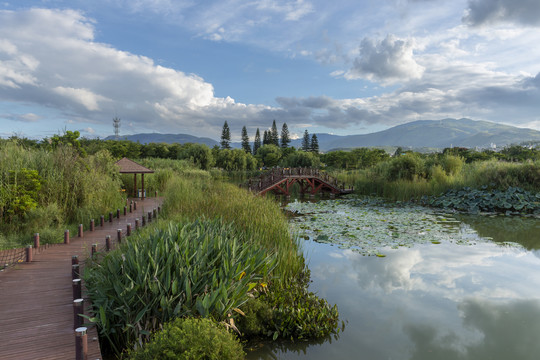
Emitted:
pixel 242 275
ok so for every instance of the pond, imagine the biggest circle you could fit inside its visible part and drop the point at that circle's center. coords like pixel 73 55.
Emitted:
pixel 411 283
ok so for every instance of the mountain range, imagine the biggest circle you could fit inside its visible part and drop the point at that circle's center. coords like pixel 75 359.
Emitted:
pixel 417 134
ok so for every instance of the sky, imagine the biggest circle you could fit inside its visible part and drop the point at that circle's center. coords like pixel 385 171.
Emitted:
pixel 341 67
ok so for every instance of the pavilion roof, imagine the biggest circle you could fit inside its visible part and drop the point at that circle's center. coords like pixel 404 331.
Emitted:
pixel 128 166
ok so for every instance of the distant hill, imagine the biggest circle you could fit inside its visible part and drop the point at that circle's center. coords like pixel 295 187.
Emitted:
pixel 433 134
pixel 166 138
pixel 417 134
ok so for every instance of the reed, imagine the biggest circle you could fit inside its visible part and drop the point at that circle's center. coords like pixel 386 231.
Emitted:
pixel 190 268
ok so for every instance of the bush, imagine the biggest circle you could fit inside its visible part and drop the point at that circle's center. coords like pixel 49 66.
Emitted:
pixel 200 268
pixel 191 339
pixel 406 167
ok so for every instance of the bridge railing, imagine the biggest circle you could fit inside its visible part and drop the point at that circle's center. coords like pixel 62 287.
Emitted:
pixel 275 175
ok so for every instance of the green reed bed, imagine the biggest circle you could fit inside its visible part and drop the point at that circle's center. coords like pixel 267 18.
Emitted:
pixel 405 181
pixel 44 190
pixel 185 269
pixel 217 252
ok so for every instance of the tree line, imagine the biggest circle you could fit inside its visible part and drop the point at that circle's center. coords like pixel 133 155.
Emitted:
pixel 270 137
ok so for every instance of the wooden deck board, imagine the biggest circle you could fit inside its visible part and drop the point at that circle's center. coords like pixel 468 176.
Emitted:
pixel 36 301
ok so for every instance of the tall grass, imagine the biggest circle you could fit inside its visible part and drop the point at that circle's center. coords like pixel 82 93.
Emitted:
pixel 261 219
pixel 71 190
pixel 192 268
pixel 435 178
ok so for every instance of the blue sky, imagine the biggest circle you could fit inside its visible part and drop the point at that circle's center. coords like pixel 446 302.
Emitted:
pixel 342 67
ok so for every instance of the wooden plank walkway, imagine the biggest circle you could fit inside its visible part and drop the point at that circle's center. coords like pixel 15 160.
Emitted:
pixel 36 299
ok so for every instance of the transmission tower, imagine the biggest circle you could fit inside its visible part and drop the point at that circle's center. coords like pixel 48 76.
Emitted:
pixel 116 125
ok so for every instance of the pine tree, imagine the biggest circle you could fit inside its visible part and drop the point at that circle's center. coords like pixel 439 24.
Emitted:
pixel 226 136
pixel 314 146
pixel 245 140
pixel 274 136
pixel 305 141
pixel 266 138
pixel 257 142
pixel 285 138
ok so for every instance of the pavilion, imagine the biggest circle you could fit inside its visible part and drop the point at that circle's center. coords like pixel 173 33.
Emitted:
pixel 128 166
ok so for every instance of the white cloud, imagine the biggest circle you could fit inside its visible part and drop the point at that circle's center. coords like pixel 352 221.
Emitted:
pixel 389 61
pixel 90 81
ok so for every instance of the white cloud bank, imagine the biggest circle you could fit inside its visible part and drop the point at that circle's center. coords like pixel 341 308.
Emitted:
pixel 50 59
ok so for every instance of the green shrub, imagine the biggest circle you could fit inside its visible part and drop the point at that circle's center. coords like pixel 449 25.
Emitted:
pixel 406 167
pixel 191 339
pixel 195 268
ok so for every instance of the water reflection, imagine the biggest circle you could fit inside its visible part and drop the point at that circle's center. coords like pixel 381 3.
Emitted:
pixel 442 301
pixel 521 230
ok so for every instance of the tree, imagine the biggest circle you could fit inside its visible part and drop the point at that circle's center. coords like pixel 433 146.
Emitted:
pixel 226 136
pixel 245 140
pixel 314 145
pixel 266 138
pixel 257 142
pixel 274 137
pixel 305 141
pixel 285 138
pixel 269 155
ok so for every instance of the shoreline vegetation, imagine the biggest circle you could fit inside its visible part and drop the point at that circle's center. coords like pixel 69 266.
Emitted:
pixel 219 253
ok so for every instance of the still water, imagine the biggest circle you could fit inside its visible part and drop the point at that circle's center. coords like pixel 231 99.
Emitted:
pixel 474 299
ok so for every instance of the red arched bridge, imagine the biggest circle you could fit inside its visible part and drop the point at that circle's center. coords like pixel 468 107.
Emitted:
pixel 310 180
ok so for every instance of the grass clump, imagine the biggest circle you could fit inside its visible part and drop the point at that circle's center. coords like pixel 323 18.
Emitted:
pixel 191 338
pixel 192 268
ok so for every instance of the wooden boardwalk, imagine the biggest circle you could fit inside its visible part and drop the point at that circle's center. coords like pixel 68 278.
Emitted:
pixel 36 299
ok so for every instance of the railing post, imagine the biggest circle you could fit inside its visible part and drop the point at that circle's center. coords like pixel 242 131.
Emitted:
pixel 136 224
pixel 29 254
pixel 118 213
pixel 92 225
pixel 94 250
pixel 119 235
pixel 81 344
pixel 78 309
pixel 110 216
pixel 154 213
pixel 74 259
pixel 128 229
pixel 149 216
pixel 81 230
pixel 125 210
pixel 131 206
pixel 108 242
pixel 36 240
pixel 144 220
pixel 66 237
pixel 135 205
pixel 75 271
pixel 77 292
pixel 156 193
pixel 102 220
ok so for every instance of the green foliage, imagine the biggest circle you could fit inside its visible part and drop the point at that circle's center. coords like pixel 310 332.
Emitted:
pixel 314 144
pixel 259 218
pixel 360 158
pixel 257 141
pixel 511 201
pixel 305 141
pixel 191 338
pixel 269 155
pixel 193 268
pixel 290 312
pixel 235 160
pixel 301 159
pixel 245 140
pixel 49 188
pixel 285 137
pixel 226 136
pixel 19 193
pixel 406 167
pixel 273 135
